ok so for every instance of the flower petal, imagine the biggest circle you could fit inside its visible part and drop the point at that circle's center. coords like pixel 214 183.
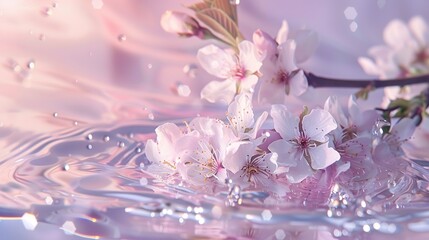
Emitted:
pixel 265 44
pixel 298 84
pixel 249 57
pixel 420 30
pixel 216 91
pixel 284 122
pixel 167 134
pixel 306 44
pixel 369 66
pixel 287 56
pixel 216 61
pixel 152 151
pixel 283 33
pixel 323 156
pixel 286 154
pixel 299 172
pixel 237 156
pixel 317 124
pixel 333 106
pixel 240 113
pixel 396 34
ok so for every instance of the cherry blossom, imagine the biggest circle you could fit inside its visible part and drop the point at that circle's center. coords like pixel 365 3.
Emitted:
pixel 239 71
pixel 280 74
pixel 304 147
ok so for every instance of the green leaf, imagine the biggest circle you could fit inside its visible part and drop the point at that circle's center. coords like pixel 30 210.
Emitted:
pixel 220 22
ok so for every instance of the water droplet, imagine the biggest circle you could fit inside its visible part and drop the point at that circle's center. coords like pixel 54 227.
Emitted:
pixel 376 225
pixel 353 26
pixel 350 13
pixel 366 228
pixel 55 114
pixel 151 116
pixel 75 123
pixel 89 146
pixel 377 129
pixel 121 144
pixel 31 64
pixel 234 2
pixel 66 167
pixel 106 138
pixel 29 221
pixel 122 37
pixel 49 200
pixel 69 227
pixel 280 234
pixel 143 181
pixel 97 4
pixel 138 150
pixel 89 137
pixel 190 70
pixel 183 90
pixel 47 11
pixel 266 215
pixel 234 196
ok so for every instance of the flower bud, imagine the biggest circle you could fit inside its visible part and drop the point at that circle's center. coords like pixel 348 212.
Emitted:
pixel 180 23
pixel 265 44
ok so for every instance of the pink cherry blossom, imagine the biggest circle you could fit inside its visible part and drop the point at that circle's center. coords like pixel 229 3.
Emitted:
pixel 237 70
pixel 304 146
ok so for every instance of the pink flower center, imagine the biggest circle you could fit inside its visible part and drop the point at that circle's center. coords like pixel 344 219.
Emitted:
pixel 303 142
pixel 282 77
pixel 239 73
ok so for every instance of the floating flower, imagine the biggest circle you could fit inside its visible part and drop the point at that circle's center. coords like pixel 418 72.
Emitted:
pixel 239 71
pixel 304 146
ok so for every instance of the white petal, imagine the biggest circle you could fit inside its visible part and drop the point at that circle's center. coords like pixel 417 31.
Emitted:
pixel 298 84
pixel 238 154
pixel 333 106
pixel 152 151
pixel 248 56
pixel 369 66
pixel 299 172
pixel 248 83
pixel 167 134
pixel 287 56
pixel 404 129
pixel 258 124
pixel 283 33
pixel 240 113
pixel 216 61
pixel 306 44
pixel 216 91
pixel 419 28
pixel 317 124
pixel 396 34
pixel 284 122
pixel 323 156
pixel 286 153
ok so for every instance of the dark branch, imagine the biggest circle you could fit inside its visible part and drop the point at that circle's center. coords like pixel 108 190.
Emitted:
pixel 318 82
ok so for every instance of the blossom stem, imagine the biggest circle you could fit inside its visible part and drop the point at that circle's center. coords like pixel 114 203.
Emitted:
pixel 319 82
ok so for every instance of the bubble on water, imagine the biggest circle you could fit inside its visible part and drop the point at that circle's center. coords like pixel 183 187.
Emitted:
pixel 31 64
pixel 89 137
pixel 106 138
pixel 75 123
pixel 89 146
pixel 183 90
pixel 138 150
pixel 97 4
pixel 29 221
pixel 121 144
pixel 55 114
pixel 190 70
pixel 69 227
pixel 151 116
pixel 66 167
pixel 122 37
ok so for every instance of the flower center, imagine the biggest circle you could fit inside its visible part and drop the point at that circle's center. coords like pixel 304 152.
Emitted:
pixel 303 142
pixel 239 73
pixel 282 77
pixel 254 167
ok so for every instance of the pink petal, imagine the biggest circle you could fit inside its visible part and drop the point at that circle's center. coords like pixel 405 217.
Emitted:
pixel 298 84
pixel 265 44
pixel 333 106
pixel 323 156
pixel 287 56
pixel 152 151
pixel 284 122
pixel 286 154
pixel 299 172
pixel 419 29
pixel 317 124
pixel 167 134
pixel 396 34
pixel 237 155
pixel 282 35
pixel 216 91
pixel 249 56
pixel 248 83
pixel 216 61
pixel 306 44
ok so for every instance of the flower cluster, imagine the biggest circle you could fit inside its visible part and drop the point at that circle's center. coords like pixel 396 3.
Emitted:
pixel 301 155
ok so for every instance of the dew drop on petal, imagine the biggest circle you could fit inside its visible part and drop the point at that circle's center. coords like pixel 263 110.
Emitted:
pixel 122 37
